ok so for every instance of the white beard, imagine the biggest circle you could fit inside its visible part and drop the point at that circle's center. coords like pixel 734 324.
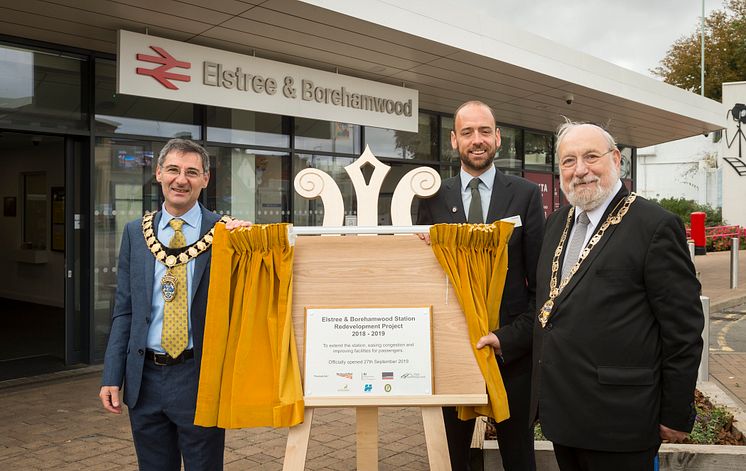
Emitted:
pixel 589 198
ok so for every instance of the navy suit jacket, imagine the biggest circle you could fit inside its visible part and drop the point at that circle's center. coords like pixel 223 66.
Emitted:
pixel 125 353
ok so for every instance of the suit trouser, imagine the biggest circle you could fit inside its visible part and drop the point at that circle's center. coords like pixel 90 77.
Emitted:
pixel 163 422
pixel 515 436
pixel 580 459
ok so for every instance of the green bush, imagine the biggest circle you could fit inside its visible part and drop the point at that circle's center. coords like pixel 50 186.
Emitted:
pixel 538 434
pixel 683 208
pixel 708 428
pixel 709 425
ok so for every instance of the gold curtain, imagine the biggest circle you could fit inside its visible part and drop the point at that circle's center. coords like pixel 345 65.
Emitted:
pixel 249 375
pixel 475 258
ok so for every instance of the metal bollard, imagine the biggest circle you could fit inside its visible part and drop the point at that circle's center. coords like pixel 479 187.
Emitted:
pixel 734 243
pixel 704 365
pixel 690 243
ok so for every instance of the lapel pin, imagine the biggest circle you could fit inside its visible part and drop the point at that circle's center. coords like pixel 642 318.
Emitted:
pixel 454 209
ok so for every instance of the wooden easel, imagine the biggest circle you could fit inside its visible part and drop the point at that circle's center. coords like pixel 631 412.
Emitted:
pixel 385 271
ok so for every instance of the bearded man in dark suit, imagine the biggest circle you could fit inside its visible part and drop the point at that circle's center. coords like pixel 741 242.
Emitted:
pixel 476 138
pixel 617 337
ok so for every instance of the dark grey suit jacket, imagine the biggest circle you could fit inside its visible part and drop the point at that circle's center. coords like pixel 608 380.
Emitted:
pixel 620 352
pixel 511 196
pixel 125 353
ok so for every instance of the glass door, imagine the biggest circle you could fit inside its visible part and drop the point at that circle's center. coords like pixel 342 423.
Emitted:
pixel 72 205
pixel 32 266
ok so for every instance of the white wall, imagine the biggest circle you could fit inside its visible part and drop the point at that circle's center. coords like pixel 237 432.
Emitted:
pixel 734 185
pixel 38 283
pixel 687 168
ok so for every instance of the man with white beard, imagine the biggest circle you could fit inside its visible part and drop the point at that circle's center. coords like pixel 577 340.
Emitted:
pixel 617 336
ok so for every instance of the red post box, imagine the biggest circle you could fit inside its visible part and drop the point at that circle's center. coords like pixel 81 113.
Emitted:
pixel 698 232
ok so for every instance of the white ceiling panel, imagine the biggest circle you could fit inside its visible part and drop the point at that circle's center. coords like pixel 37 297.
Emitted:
pixel 179 9
pixel 328 46
pixel 472 77
pixel 144 17
pixel 231 7
pixel 336 21
pixel 296 53
pixel 525 83
pixel 353 40
pixel 55 37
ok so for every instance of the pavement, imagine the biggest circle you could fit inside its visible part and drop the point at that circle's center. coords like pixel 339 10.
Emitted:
pixel 56 421
pixel 727 368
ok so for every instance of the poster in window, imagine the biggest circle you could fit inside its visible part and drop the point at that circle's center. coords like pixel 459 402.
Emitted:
pixel 544 180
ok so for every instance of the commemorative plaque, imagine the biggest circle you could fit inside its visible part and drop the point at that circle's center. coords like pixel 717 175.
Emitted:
pixel 368 351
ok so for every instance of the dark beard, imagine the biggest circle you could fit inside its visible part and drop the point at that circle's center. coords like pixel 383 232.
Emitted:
pixel 479 166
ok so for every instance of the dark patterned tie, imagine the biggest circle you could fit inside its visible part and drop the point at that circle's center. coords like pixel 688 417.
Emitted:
pixel 475 207
pixel 175 334
pixel 576 244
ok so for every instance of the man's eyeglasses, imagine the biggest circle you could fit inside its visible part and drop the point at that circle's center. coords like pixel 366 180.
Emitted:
pixel 190 173
pixel 591 158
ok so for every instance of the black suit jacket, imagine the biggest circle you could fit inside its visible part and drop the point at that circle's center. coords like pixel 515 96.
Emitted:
pixel 620 352
pixel 511 196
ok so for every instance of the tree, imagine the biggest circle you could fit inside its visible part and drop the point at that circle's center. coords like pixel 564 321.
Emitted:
pixel 725 53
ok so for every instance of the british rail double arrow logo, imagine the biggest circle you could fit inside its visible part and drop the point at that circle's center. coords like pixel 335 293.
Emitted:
pixel 161 73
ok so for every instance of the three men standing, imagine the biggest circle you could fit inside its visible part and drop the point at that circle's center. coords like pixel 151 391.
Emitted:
pixel 616 342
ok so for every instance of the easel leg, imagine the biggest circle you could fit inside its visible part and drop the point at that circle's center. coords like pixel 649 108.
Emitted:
pixel 435 439
pixel 297 445
pixel 367 438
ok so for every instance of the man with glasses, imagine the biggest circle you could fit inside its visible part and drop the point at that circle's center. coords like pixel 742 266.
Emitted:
pixel 155 343
pixel 617 336
pixel 483 194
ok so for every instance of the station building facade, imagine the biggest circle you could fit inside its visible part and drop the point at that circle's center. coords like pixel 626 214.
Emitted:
pixel 80 154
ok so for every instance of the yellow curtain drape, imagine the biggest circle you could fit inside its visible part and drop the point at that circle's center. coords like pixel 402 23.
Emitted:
pixel 475 258
pixel 249 372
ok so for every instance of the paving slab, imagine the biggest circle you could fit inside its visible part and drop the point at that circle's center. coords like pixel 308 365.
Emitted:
pixel 56 422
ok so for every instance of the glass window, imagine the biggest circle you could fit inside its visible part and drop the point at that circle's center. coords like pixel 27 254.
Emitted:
pixel 447 154
pixel 311 212
pixel 327 136
pixel 40 89
pixel 123 187
pixel 537 151
pixel 421 145
pixel 398 170
pixel 246 127
pixel 249 184
pixel 35 210
pixel 507 156
pixel 129 114
pixel 449 171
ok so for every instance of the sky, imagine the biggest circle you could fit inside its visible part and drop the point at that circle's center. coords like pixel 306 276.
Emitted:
pixel 634 34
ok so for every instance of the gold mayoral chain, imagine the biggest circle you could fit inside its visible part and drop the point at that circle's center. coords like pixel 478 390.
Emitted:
pixel 615 217
pixel 174 257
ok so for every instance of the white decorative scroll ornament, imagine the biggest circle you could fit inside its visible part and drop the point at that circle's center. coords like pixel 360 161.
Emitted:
pixel 311 183
pixel 422 181
pixel 367 193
